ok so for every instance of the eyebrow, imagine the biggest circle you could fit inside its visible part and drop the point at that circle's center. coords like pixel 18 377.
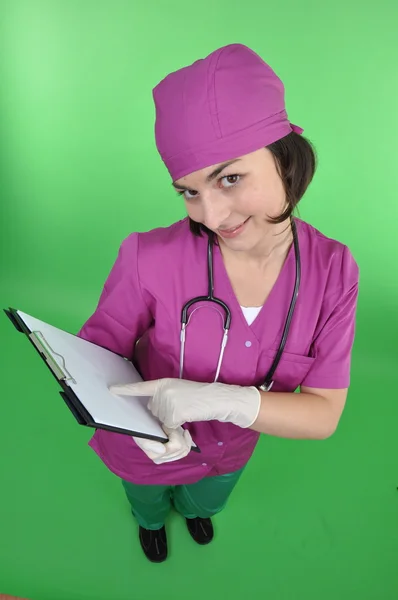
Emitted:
pixel 210 177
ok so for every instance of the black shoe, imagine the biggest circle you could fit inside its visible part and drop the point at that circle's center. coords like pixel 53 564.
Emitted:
pixel 154 544
pixel 201 530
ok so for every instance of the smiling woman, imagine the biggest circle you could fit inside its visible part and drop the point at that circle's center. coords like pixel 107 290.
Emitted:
pixel 241 173
pixel 294 164
pixel 256 193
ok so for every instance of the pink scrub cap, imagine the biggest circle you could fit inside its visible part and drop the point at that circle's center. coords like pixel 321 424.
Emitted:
pixel 221 107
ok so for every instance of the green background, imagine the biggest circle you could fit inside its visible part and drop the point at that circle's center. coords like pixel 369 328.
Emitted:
pixel 79 171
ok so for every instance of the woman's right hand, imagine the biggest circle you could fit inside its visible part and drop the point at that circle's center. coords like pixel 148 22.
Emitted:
pixel 178 446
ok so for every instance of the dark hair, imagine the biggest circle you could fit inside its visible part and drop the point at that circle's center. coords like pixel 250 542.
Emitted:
pixel 296 161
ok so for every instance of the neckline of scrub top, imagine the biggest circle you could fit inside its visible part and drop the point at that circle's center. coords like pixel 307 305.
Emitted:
pixel 270 308
pixel 251 313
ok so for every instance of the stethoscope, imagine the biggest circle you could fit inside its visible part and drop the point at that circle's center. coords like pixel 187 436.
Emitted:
pixel 268 381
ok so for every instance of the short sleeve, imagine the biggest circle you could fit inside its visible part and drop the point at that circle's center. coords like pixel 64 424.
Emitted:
pixel 122 314
pixel 334 339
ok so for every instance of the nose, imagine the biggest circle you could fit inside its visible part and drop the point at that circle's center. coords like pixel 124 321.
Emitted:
pixel 215 212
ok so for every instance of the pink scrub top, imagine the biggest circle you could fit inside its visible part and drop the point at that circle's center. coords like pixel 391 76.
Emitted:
pixel 138 316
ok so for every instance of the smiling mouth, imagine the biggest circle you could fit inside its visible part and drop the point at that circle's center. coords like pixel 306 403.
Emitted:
pixel 233 229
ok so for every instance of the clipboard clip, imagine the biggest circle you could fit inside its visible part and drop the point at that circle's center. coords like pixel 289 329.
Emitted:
pixel 61 372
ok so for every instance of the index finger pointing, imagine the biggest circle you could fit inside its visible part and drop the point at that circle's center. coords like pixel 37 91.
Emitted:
pixel 142 388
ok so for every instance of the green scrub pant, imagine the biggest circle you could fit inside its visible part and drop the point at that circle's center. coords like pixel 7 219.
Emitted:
pixel 150 504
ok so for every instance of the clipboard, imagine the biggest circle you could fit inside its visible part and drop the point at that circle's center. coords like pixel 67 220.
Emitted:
pixel 84 371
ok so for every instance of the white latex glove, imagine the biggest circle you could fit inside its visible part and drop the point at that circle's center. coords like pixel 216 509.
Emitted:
pixel 178 446
pixel 178 401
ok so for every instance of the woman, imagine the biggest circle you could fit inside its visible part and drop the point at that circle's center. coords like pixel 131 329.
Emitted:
pixel 241 167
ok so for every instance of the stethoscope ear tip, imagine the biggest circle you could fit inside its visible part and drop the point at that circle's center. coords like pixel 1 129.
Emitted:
pixel 265 387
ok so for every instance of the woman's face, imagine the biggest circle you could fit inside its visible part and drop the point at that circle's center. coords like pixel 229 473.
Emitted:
pixel 234 199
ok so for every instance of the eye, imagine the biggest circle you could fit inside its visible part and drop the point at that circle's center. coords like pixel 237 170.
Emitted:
pixel 230 180
pixel 188 194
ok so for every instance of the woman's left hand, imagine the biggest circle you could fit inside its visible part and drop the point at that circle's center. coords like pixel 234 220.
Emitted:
pixel 178 401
